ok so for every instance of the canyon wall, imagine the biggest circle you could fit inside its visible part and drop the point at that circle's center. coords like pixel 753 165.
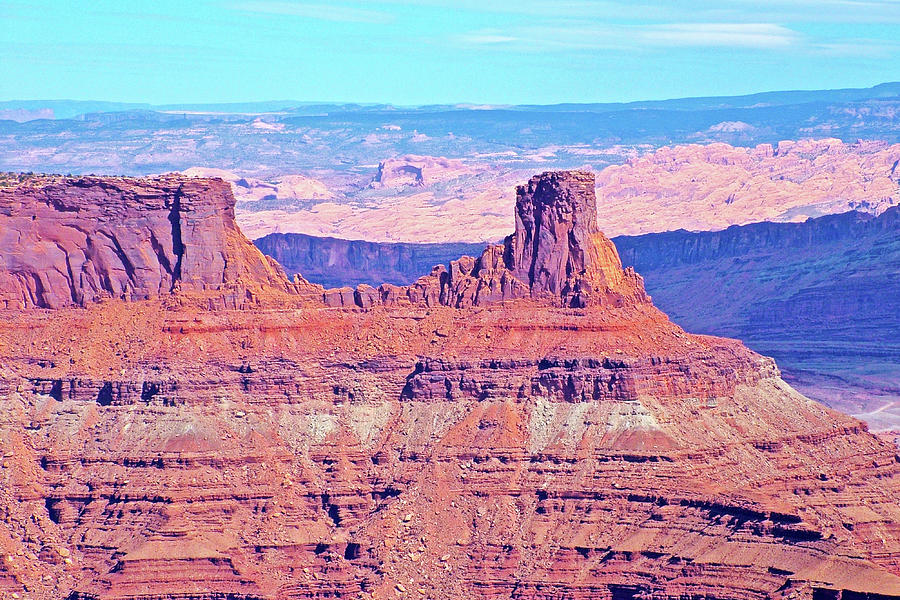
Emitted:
pixel 823 297
pixel 334 262
pixel 522 425
pixel 73 241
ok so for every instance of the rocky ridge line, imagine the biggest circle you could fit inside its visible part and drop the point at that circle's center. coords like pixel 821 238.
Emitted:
pixel 522 450
pixel 557 254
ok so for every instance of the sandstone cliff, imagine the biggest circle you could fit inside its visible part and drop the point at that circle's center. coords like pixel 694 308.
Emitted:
pixel 520 448
pixel 557 254
pixel 72 241
pixel 820 296
pixel 417 170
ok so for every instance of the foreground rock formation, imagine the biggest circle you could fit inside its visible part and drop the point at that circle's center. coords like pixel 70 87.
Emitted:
pixel 820 296
pixel 74 241
pixel 566 442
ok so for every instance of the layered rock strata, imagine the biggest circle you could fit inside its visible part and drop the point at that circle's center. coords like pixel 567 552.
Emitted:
pixel 515 449
pixel 820 296
pixel 73 241
pixel 557 254
pixel 823 297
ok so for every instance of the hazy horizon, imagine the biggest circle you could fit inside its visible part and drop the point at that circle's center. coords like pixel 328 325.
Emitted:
pixel 289 102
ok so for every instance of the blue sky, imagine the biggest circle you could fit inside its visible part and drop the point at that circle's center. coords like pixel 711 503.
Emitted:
pixel 440 51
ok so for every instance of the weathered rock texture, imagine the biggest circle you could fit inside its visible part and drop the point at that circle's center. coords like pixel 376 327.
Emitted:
pixel 557 254
pixel 820 296
pixel 72 241
pixel 557 247
pixel 518 449
pixel 713 186
pixel 823 297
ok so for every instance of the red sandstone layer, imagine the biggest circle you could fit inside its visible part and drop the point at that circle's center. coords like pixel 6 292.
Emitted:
pixel 524 448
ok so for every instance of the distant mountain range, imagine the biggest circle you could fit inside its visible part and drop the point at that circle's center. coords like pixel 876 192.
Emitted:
pixel 270 138
pixel 67 109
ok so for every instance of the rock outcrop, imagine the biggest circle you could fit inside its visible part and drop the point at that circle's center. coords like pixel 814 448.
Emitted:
pixel 820 296
pixel 556 254
pixel 73 241
pixel 557 247
pixel 417 170
pixel 520 448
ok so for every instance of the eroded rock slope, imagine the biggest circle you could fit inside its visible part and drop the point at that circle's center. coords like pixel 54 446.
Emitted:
pixel 527 446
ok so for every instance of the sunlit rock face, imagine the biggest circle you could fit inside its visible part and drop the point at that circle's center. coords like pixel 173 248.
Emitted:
pixel 441 443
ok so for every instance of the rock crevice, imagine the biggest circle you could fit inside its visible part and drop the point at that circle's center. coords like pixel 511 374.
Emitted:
pixel 74 241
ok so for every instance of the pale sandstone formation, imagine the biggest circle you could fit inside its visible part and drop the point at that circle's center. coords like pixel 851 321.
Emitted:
pixel 695 187
pixel 417 170
pixel 713 186
pixel 284 188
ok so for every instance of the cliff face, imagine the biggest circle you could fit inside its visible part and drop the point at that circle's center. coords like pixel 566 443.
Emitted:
pixel 557 246
pixel 676 248
pixel 822 296
pixel 72 241
pixel 520 448
pixel 557 254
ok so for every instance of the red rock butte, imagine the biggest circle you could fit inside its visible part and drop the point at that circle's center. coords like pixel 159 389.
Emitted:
pixel 179 420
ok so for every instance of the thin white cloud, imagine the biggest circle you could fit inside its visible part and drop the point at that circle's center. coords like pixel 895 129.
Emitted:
pixel 710 11
pixel 323 12
pixel 485 38
pixel 862 48
pixel 634 37
pixel 746 35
